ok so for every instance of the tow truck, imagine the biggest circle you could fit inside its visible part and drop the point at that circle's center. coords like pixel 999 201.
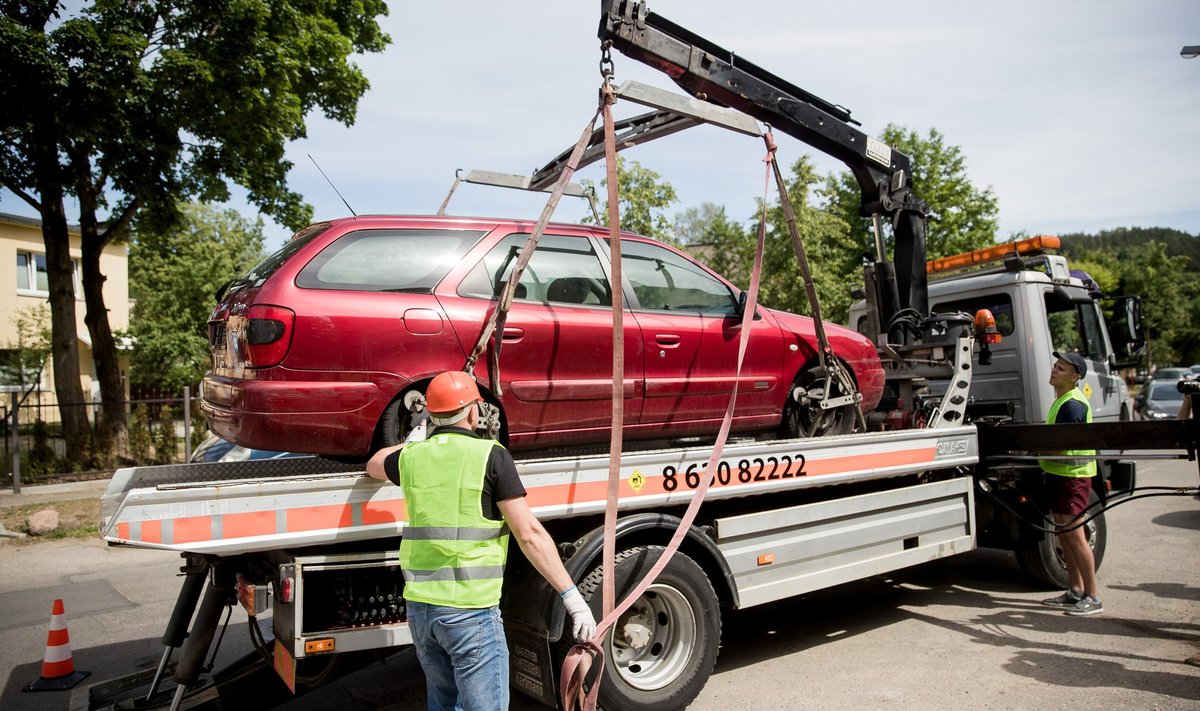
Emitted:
pixel 314 542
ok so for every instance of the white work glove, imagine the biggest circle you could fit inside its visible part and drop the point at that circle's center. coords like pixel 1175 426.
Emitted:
pixel 583 624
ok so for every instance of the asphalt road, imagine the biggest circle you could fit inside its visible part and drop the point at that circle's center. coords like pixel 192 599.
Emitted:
pixel 966 632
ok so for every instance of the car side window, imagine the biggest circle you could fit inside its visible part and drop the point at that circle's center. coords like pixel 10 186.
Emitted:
pixel 563 270
pixel 411 261
pixel 663 280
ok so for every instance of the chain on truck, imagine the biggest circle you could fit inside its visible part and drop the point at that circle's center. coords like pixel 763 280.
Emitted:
pixel 947 463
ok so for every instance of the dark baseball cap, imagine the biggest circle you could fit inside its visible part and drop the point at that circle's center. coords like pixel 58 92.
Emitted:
pixel 1074 359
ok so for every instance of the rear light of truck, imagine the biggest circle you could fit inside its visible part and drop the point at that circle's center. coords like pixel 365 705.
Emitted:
pixel 268 335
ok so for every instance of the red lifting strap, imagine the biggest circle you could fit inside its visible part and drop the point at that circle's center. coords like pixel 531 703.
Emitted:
pixel 580 659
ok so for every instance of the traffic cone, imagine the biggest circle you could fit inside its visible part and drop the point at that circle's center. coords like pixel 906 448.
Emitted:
pixel 58 669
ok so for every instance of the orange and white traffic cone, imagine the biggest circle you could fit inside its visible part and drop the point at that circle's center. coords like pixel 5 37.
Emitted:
pixel 58 668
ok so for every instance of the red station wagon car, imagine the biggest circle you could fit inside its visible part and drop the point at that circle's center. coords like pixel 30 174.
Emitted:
pixel 316 348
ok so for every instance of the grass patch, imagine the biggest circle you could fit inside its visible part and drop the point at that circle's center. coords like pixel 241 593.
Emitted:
pixel 76 519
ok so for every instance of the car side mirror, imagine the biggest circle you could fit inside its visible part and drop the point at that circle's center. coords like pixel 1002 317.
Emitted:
pixel 741 303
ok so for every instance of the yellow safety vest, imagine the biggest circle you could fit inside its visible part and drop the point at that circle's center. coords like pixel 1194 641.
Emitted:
pixel 1081 468
pixel 450 553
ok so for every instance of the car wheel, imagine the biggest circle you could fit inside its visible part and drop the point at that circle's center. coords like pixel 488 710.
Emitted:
pixel 803 417
pixel 660 652
pixel 396 421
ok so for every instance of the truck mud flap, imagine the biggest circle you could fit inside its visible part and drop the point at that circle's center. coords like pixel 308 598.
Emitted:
pixel 531 666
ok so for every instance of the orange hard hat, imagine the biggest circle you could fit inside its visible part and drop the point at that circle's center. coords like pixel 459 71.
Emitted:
pixel 450 392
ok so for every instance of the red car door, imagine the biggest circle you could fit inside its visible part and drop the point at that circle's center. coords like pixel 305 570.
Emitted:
pixel 690 331
pixel 556 358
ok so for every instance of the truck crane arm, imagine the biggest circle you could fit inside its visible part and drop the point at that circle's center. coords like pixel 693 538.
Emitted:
pixel 717 75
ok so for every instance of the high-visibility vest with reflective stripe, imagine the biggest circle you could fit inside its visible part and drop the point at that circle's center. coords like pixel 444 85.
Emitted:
pixel 1080 468
pixel 450 553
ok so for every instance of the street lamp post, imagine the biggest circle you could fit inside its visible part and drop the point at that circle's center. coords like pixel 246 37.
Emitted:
pixel 1190 51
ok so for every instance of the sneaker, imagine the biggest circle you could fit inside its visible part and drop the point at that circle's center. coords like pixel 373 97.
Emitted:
pixel 1087 605
pixel 1067 599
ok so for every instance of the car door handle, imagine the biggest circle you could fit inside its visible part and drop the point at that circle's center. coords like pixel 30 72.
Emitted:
pixel 667 340
pixel 512 333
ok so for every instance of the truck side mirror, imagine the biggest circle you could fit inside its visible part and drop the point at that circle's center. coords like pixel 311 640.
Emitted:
pixel 1126 330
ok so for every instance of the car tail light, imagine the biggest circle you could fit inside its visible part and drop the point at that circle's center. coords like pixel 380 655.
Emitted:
pixel 268 335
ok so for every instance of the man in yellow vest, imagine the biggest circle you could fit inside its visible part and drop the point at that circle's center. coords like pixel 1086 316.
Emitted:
pixel 1070 484
pixel 464 498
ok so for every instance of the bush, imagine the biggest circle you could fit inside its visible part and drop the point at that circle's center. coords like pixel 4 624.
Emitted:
pixel 166 443
pixel 140 440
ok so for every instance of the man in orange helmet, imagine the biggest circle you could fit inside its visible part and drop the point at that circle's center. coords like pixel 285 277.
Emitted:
pixel 464 497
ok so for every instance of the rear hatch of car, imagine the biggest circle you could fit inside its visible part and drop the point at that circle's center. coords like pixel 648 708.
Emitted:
pixel 243 334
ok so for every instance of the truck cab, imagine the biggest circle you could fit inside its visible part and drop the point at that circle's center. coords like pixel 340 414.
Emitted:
pixel 1040 306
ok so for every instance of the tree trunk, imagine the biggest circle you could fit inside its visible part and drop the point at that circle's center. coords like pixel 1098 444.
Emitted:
pixel 104 348
pixel 111 422
pixel 64 335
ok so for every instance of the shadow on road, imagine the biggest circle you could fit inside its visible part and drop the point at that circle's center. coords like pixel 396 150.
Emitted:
pixel 1179 519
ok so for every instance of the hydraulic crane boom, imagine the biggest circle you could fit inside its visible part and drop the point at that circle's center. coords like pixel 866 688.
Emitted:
pixel 717 75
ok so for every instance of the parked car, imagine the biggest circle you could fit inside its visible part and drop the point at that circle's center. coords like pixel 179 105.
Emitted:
pixel 317 347
pixel 215 449
pixel 1195 368
pixel 1172 374
pixel 1159 400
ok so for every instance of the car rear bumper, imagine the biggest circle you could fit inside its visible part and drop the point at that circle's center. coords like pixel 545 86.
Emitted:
pixel 334 417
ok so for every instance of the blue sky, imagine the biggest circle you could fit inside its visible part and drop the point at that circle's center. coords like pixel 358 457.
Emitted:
pixel 1081 116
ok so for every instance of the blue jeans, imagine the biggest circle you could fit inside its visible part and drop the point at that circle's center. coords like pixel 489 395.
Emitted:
pixel 464 656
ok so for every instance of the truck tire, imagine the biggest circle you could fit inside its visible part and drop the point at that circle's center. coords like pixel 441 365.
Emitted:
pixel 1040 557
pixel 659 653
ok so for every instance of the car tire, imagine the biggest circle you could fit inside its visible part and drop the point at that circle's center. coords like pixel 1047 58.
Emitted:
pixel 1040 556
pixel 395 423
pixel 677 625
pixel 802 420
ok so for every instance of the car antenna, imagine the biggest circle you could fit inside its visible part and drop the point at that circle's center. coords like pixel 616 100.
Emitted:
pixel 326 177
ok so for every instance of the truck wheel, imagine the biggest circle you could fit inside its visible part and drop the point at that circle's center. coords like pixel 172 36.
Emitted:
pixel 806 419
pixel 1041 557
pixel 659 653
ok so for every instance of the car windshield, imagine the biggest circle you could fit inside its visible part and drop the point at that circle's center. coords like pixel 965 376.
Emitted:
pixel 1164 392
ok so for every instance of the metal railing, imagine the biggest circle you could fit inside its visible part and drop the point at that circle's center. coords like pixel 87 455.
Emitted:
pixel 158 430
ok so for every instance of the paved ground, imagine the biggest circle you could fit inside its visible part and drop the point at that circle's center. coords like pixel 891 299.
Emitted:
pixel 962 633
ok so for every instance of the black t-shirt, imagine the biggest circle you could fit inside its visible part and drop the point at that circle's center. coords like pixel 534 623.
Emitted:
pixel 1071 411
pixel 501 482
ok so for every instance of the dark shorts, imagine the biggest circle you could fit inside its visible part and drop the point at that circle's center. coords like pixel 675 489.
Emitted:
pixel 1068 496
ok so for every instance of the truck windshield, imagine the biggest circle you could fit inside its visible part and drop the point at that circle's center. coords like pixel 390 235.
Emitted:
pixel 1075 327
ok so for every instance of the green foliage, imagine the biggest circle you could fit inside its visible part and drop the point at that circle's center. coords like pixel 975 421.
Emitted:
pixel 22 362
pixel 962 217
pixel 140 439
pixel 174 275
pixel 199 430
pixel 1130 239
pixel 1166 274
pixel 41 461
pixel 135 106
pixel 166 442
pixel 644 195
pixel 832 257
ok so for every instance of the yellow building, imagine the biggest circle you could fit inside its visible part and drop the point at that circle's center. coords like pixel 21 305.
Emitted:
pixel 24 291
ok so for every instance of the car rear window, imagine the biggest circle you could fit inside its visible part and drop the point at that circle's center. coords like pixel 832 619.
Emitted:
pixel 256 276
pixel 412 261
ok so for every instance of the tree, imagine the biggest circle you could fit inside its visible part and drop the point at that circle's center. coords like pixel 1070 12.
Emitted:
pixel 643 197
pixel 962 217
pixel 831 255
pixel 1164 285
pixel 174 275
pixel 132 106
